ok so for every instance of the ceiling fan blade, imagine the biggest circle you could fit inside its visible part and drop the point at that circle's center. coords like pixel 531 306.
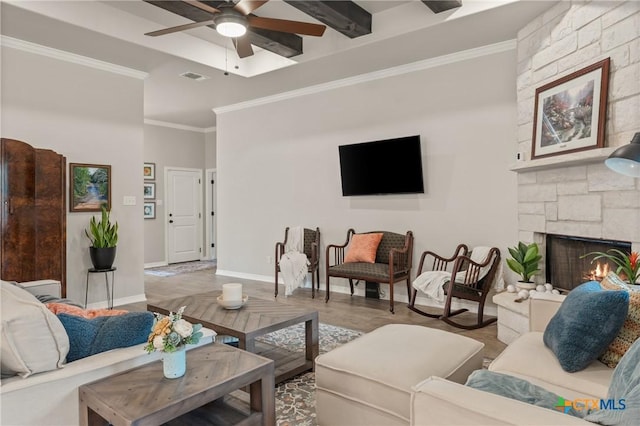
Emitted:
pixel 179 28
pixel 247 6
pixel 243 46
pixel 202 6
pixel 286 26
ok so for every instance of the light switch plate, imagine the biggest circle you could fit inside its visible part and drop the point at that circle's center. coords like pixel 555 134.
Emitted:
pixel 129 200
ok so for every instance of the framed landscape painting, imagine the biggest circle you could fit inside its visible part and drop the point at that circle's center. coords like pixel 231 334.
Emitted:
pixel 89 188
pixel 570 113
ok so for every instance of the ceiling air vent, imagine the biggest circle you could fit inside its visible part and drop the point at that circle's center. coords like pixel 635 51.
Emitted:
pixel 194 76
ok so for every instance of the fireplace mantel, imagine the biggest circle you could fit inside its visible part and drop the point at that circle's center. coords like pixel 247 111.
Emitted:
pixel 573 159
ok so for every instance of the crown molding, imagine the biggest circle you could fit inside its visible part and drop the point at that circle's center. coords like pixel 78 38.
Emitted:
pixel 179 126
pixel 439 61
pixel 62 55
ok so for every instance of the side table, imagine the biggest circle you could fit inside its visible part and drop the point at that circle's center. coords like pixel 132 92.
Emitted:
pixel 513 317
pixel 106 279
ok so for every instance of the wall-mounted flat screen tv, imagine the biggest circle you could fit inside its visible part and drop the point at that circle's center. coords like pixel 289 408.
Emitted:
pixel 391 166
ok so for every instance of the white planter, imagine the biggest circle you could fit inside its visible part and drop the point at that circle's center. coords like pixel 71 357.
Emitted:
pixel 525 286
pixel 174 364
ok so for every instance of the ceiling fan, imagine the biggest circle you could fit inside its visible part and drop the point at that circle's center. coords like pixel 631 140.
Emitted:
pixel 232 20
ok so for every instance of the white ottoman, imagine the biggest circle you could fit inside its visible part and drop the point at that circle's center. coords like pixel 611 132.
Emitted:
pixel 368 381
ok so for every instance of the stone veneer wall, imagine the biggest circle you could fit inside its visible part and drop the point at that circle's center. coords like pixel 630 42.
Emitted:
pixel 576 194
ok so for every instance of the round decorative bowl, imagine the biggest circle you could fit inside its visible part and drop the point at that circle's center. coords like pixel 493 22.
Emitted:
pixel 233 304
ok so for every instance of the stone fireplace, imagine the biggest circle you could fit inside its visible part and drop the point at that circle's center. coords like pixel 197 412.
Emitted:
pixel 583 202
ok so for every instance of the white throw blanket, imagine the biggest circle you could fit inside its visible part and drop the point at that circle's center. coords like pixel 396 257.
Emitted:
pixel 431 282
pixel 294 263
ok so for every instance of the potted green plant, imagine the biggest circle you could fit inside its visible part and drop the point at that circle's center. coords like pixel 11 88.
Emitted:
pixel 524 262
pixel 104 238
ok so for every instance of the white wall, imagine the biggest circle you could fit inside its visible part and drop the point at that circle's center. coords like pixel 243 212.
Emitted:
pixel 167 147
pixel 278 163
pixel 89 116
pixel 210 149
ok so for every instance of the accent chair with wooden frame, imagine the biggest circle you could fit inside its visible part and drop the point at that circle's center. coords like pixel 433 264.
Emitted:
pixel 311 250
pixel 473 286
pixel 392 263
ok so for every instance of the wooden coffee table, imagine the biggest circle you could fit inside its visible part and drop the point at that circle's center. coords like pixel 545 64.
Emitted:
pixel 256 318
pixel 143 396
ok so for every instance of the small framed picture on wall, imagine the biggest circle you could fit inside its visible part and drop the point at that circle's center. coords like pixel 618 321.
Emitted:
pixel 149 190
pixel 90 187
pixel 149 210
pixel 149 171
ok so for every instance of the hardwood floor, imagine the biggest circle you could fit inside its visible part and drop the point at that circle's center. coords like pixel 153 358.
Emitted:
pixel 354 312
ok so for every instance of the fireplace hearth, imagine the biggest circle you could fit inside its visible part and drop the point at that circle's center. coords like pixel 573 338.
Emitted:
pixel 566 268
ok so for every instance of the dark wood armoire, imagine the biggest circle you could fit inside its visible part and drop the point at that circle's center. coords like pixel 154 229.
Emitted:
pixel 33 216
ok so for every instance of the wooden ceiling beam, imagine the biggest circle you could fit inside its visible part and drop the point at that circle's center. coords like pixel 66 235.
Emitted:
pixel 283 44
pixel 345 17
pixel 438 6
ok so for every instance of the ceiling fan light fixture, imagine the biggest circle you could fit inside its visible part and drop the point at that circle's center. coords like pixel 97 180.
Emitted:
pixel 230 25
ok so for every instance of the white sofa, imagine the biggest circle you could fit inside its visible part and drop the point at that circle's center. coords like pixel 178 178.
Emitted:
pixel 51 398
pixel 437 401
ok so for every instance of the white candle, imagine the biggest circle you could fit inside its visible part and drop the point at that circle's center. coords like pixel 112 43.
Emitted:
pixel 232 292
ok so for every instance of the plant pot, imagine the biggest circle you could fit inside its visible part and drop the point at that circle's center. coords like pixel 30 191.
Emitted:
pixel 525 285
pixel 102 257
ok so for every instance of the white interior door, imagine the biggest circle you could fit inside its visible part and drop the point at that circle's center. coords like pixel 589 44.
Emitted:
pixel 184 218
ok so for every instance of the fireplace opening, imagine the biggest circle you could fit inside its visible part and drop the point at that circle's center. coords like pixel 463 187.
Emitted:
pixel 565 266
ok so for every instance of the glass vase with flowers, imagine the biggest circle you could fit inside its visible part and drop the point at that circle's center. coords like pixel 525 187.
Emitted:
pixel 171 334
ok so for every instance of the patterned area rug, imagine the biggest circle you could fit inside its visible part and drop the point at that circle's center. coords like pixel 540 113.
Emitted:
pixel 180 268
pixel 295 398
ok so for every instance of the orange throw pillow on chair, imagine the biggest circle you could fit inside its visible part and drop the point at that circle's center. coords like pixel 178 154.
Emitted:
pixel 363 248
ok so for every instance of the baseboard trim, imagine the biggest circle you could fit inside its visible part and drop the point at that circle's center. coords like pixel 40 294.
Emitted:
pixel 118 302
pixel 155 264
pixel 244 275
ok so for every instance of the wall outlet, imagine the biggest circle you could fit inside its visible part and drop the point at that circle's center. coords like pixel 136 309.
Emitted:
pixel 269 260
pixel 129 200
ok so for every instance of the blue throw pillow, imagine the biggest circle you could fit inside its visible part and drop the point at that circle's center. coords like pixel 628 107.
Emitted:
pixel 81 332
pixel 586 323
pixel 91 336
pixel 121 331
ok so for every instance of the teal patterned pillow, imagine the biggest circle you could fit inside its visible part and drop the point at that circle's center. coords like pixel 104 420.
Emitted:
pixel 586 323
pixel 91 336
